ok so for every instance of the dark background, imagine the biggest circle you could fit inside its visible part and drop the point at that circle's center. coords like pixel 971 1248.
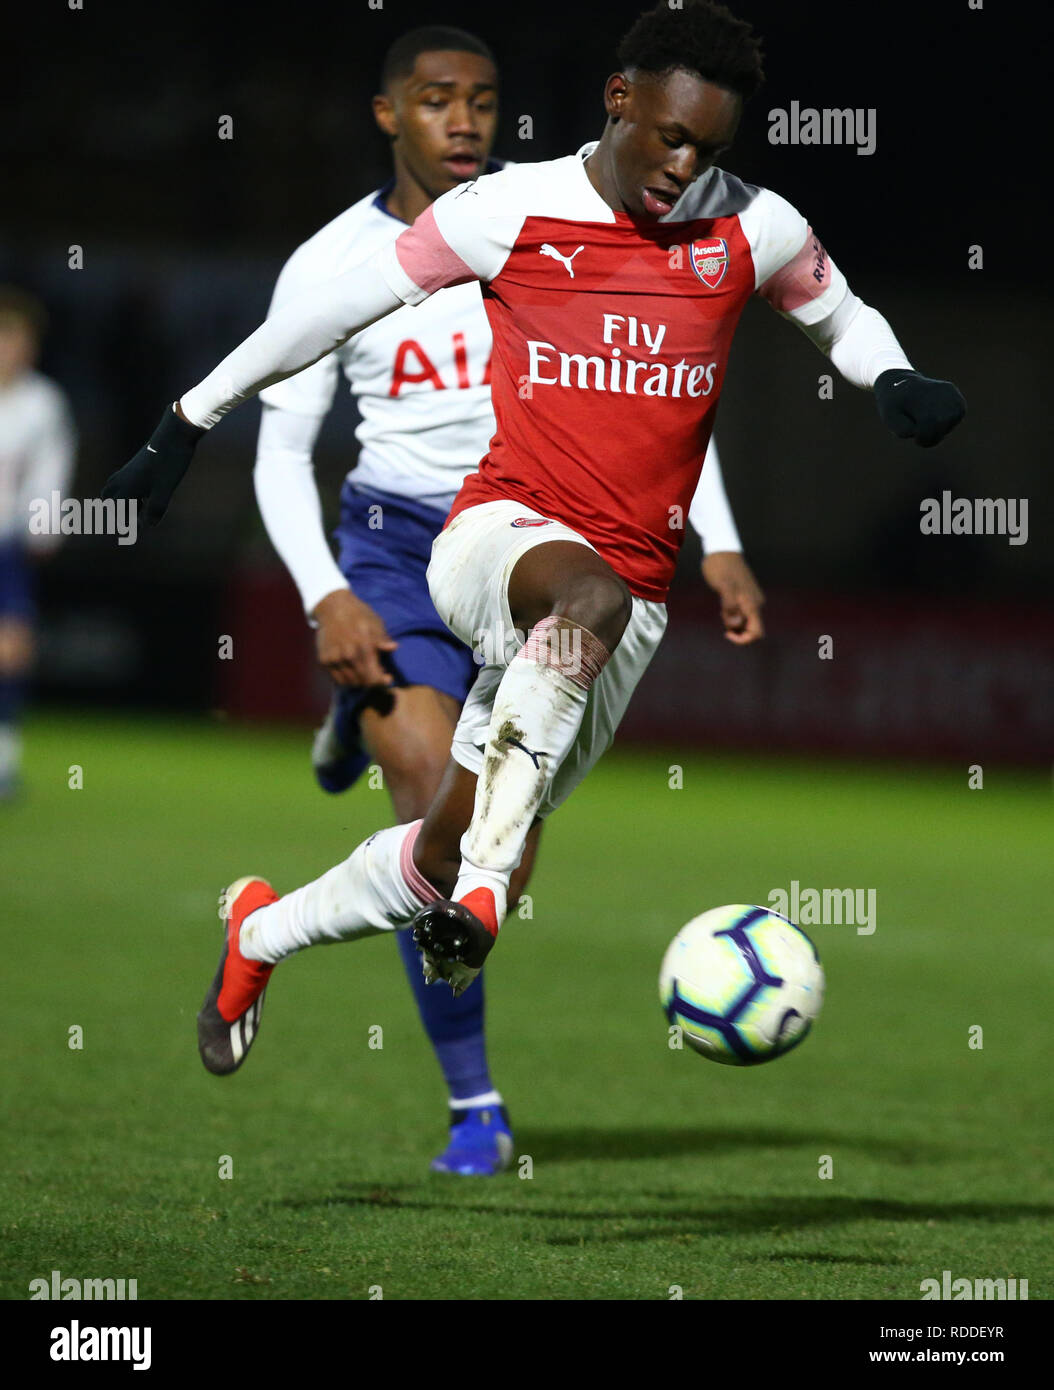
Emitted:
pixel 110 143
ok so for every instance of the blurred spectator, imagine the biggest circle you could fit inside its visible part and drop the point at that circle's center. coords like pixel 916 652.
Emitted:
pixel 37 442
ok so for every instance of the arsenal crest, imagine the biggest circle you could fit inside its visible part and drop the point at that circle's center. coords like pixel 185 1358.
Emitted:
pixel 710 260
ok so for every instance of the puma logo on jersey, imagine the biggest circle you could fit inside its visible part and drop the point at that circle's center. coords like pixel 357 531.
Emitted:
pixel 548 250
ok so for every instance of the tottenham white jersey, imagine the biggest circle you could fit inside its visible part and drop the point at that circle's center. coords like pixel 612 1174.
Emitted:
pixel 421 376
pixel 37 441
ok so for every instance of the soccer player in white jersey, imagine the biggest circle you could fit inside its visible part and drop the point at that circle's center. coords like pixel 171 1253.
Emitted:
pixel 421 379
pixel 37 443
pixel 613 281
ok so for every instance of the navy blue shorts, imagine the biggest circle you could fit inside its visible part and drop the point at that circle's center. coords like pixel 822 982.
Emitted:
pixel 16 583
pixel 385 544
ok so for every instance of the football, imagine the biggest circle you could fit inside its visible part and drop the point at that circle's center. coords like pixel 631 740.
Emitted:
pixel 742 983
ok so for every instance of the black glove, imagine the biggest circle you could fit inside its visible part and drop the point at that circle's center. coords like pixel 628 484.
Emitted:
pixel 157 469
pixel 917 407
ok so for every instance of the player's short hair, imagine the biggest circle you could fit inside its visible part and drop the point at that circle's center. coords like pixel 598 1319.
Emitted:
pixel 21 307
pixel 430 38
pixel 703 37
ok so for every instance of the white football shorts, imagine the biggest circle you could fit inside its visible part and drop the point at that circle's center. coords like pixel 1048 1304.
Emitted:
pixel 468 578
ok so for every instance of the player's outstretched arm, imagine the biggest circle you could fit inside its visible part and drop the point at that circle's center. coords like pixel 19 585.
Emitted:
pixel 863 347
pixel 311 326
pixel 724 567
pixel 350 636
pixel 453 242
pixel 806 286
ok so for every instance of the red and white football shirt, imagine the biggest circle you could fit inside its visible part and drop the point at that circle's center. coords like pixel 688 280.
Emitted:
pixel 611 338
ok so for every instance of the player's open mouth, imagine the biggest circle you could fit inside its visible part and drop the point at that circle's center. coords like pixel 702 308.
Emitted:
pixel 464 166
pixel 658 201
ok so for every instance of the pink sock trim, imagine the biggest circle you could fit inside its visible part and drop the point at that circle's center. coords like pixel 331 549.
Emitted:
pixel 415 880
pixel 581 659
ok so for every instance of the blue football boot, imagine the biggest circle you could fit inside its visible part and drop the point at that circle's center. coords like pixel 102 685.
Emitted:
pixel 337 754
pixel 480 1143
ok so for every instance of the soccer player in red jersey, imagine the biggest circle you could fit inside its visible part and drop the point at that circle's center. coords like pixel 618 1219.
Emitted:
pixel 420 378
pixel 613 281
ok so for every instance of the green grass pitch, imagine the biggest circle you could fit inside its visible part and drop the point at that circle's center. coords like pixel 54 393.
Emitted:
pixel 650 1168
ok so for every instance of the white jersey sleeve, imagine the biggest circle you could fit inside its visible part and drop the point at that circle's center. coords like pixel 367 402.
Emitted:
pixel 465 235
pixel 287 495
pixel 710 514
pixel 312 324
pixel 796 276
pixel 311 391
pixel 284 474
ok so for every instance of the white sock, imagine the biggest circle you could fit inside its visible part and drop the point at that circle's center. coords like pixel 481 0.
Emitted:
pixel 377 889
pixel 537 714
pixel 478 1102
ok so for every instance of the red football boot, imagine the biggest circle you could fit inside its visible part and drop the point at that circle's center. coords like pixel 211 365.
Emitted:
pixel 230 1016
